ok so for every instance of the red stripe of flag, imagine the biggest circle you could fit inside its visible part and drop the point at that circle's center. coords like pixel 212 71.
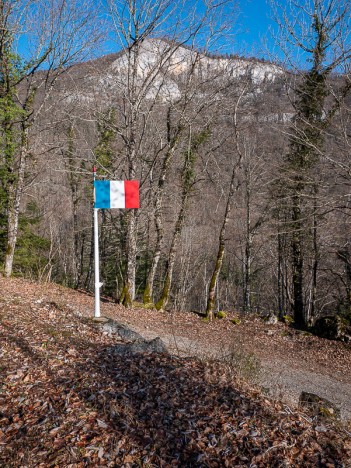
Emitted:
pixel 131 188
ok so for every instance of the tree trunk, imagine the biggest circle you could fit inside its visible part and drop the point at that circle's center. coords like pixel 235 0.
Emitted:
pixel 163 301
pixel 315 265
pixel 211 298
pixel 282 302
pixel 248 254
pixel 188 177
pixel 172 142
pixel 221 247
pixel 131 119
pixel 297 263
pixel 15 195
pixel 88 279
pixel 128 293
pixel 149 287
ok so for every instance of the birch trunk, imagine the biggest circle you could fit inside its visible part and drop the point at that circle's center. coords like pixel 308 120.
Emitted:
pixel 131 119
pixel 128 293
pixel 15 194
pixel 149 287
pixel 188 177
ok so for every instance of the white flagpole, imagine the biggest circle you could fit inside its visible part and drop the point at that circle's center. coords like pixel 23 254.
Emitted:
pixel 96 257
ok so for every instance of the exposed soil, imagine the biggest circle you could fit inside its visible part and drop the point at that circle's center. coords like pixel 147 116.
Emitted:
pixel 291 361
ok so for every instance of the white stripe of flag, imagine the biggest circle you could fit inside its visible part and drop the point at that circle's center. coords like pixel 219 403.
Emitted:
pixel 116 194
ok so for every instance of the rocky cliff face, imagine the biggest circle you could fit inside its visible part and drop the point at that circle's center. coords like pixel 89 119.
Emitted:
pixel 161 67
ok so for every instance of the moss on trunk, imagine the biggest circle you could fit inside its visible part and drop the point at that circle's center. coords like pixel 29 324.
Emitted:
pixel 126 298
pixel 147 299
pixel 162 302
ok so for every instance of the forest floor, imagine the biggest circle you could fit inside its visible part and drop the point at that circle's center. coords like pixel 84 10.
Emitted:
pixel 67 399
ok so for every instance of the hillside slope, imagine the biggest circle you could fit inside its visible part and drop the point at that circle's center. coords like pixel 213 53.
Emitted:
pixel 291 361
pixel 68 400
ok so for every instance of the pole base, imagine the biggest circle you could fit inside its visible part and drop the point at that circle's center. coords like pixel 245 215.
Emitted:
pixel 100 319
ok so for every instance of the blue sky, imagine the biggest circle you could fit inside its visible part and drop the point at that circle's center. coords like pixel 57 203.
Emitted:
pixel 254 22
pixel 251 29
pixel 251 34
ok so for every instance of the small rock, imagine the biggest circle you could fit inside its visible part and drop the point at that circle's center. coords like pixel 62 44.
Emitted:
pixel 321 428
pixel 102 424
pixel 271 319
pixel 318 405
pixel 111 327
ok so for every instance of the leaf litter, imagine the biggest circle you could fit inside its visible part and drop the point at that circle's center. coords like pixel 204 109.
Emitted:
pixel 67 401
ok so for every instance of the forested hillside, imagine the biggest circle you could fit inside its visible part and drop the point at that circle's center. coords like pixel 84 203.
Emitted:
pixel 244 168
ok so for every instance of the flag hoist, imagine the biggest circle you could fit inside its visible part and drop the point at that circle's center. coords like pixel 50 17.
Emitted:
pixel 110 194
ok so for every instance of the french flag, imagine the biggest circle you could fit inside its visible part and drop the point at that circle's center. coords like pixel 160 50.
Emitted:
pixel 116 194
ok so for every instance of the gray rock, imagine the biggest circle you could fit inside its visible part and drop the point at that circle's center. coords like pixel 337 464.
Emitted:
pixel 271 319
pixel 152 346
pixel 319 406
pixel 121 331
pixel 332 327
pixel 321 428
pixel 140 346
pixel 132 342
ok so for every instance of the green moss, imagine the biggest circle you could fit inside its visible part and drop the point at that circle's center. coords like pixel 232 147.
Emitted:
pixel 209 310
pixel 143 305
pixel 126 299
pixel 221 314
pixel 159 304
pixel 147 296
pixel 162 302
pixel 326 412
pixel 66 334
pixel 288 319
pixel 236 321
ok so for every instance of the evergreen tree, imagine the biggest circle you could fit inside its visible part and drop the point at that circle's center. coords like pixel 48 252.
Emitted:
pixel 315 107
pixel 53 32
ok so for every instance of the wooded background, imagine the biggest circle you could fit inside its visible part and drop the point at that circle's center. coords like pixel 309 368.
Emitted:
pixel 244 165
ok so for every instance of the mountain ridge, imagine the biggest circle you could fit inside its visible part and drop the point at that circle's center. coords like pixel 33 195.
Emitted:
pixel 161 63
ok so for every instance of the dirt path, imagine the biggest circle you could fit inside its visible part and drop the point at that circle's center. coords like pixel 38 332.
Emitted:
pixel 278 378
pixel 290 361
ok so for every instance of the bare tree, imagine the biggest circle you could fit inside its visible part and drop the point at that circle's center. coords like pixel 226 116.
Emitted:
pixel 319 32
pixel 147 64
pixel 233 186
pixel 54 32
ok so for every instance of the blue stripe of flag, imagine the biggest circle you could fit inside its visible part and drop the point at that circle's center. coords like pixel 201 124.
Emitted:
pixel 102 194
